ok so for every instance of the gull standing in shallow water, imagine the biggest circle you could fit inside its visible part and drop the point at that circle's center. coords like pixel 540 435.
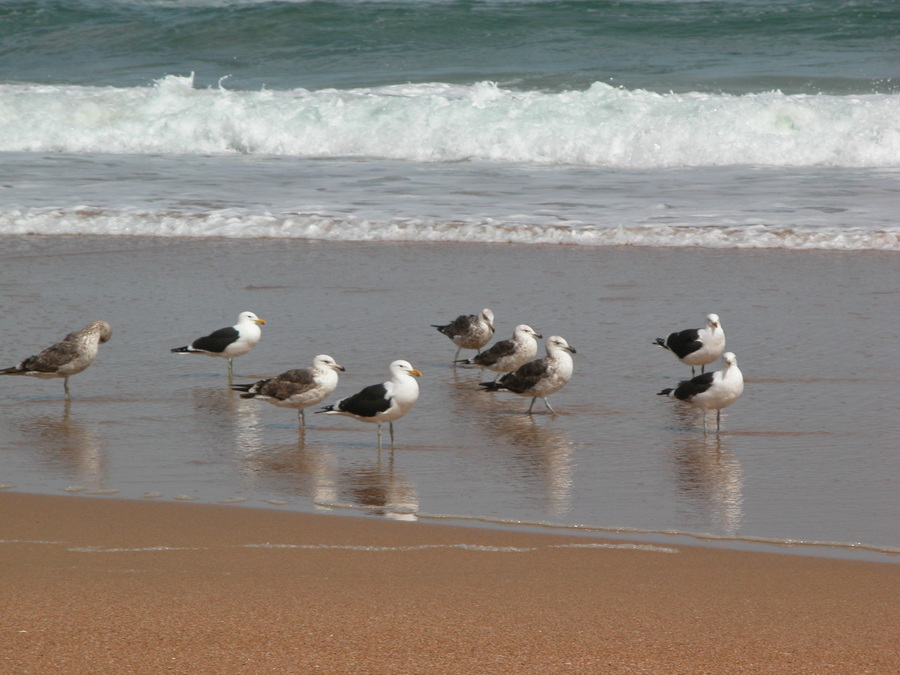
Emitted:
pixel 507 355
pixel 711 391
pixel 697 346
pixel 73 354
pixel 539 378
pixel 230 342
pixel 469 331
pixel 385 402
pixel 299 389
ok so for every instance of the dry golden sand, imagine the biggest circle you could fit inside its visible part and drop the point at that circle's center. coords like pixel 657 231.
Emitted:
pixel 187 592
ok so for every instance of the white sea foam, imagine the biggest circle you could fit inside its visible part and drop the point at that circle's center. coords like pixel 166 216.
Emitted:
pixel 240 225
pixel 375 549
pixel 601 126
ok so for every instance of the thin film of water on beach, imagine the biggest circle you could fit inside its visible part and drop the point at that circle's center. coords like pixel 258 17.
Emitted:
pixel 804 455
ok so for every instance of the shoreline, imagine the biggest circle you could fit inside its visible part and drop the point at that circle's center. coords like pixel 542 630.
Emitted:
pixel 114 585
pixel 848 551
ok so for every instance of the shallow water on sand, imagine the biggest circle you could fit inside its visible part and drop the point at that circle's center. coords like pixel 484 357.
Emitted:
pixel 808 453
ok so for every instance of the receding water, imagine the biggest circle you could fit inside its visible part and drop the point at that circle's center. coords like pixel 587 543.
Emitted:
pixel 807 454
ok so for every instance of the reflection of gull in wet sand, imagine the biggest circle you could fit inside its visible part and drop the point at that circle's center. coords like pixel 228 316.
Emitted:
pixel 299 388
pixel 70 442
pixel 68 357
pixel 711 476
pixel 538 379
pixel 228 343
pixel 507 355
pixel 383 402
pixel 294 469
pixel 380 490
pixel 226 421
pixel 711 391
pixel 469 331
pixel 543 453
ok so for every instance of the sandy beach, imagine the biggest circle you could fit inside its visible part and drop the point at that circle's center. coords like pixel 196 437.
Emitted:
pixel 96 585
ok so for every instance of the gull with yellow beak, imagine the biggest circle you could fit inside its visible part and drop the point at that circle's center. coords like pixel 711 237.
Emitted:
pixel 385 402
pixel 228 343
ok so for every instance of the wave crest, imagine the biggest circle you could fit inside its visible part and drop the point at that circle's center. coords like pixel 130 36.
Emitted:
pixel 602 126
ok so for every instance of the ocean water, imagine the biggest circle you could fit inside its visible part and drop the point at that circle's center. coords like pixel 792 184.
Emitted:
pixel 736 124
pixel 751 129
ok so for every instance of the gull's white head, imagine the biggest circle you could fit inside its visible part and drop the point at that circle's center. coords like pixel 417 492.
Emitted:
pixel 524 329
pixel 556 343
pixel 400 366
pixel 488 316
pixel 250 317
pixel 712 320
pixel 324 361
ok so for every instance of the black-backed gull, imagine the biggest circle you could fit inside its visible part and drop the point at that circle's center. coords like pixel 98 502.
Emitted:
pixel 711 391
pixel 540 378
pixel 230 342
pixel 385 402
pixel 73 354
pixel 300 388
pixel 697 346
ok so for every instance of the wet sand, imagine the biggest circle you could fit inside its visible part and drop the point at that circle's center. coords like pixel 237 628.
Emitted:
pixel 806 453
pixel 97 585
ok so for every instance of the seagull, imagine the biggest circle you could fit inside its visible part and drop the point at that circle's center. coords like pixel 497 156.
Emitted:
pixel 383 402
pixel 541 377
pixel 300 388
pixel 229 342
pixel 711 391
pixel 469 331
pixel 73 354
pixel 507 355
pixel 697 346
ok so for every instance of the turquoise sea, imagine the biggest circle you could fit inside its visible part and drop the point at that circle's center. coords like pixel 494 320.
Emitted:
pixel 609 170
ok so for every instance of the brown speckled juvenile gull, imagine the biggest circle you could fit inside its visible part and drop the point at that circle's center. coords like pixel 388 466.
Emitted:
pixel 507 355
pixel 73 354
pixel 299 388
pixel 542 377
pixel 469 331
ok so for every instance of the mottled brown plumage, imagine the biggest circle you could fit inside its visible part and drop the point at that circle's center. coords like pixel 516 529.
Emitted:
pixel 70 356
pixel 299 388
